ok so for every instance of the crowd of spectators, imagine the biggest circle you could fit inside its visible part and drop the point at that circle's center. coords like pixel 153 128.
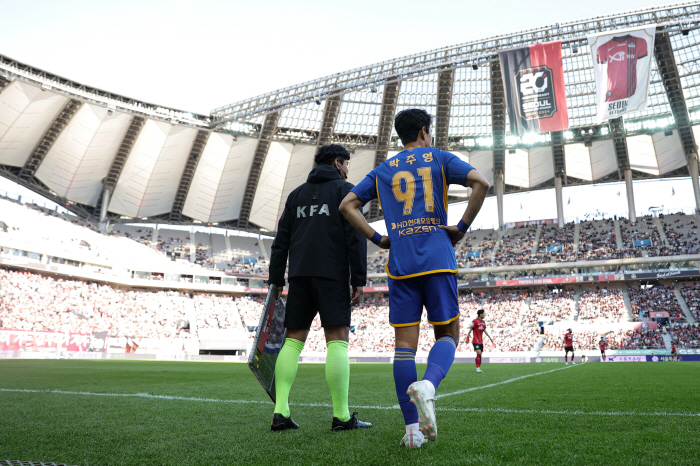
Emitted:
pixel 691 294
pixel 504 310
pixel 682 234
pixel 557 243
pixel 588 340
pixel 686 335
pixel 635 339
pixel 377 260
pixel 655 298
pixel 516 248
pixel 583 340
pixel 601 304
pixel 550 305
pixel 597 240
pixel 40 303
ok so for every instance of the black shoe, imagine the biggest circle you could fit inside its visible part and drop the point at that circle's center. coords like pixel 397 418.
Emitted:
pixel 280 422
pixel 350 424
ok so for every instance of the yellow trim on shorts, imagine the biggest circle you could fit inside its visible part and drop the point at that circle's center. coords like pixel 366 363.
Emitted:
pixel 445 322
pixel 406 325
pixel 386 267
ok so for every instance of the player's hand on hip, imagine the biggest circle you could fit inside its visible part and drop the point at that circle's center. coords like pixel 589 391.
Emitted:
pixel 357 292
pixel 385 243
pixel 454 233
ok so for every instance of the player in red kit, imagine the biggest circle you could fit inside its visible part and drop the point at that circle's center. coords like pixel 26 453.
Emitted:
pixel 568 346
pixel 674 355
pixel 603 346
pixel 479 328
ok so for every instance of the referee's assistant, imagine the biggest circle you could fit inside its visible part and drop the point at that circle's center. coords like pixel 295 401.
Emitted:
pixel 326 256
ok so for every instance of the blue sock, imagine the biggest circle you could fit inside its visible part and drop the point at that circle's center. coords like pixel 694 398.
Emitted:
pixel 404 375
pixel 440 358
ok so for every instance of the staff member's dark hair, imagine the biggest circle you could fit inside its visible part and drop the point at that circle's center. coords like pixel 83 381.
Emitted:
pixel 328 154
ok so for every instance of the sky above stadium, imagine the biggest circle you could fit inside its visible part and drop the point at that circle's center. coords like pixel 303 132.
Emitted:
pixel 199 55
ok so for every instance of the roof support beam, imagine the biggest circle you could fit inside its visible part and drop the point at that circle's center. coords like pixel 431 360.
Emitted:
pixel 444 102
pixel 49 138
pixel 115 170
pixel 266 133
pixel 498 125
pixel 557 138
pixel 330 115
pixel 184 187
pixel 3 83
pixel 386 124
pixel 666 63
pixel 619 137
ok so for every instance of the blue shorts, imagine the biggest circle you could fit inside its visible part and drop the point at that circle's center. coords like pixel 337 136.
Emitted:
pixel 436 291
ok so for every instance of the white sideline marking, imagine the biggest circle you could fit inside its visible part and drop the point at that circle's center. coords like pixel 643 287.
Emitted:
pixel 505 381
pixel 327 405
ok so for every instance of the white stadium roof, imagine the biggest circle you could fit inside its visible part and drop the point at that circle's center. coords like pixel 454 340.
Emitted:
pixel 236 166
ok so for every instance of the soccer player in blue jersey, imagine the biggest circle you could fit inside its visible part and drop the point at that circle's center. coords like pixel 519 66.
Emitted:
pixel 422 268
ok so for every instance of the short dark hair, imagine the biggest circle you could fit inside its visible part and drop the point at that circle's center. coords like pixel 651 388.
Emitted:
pixel 329 153
pixel 409 122
pixel 479 312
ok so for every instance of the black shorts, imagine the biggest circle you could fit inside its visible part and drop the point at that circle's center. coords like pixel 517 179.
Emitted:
pixel 309 296
pixel 568 348
pixel 478 346
pixel 602 351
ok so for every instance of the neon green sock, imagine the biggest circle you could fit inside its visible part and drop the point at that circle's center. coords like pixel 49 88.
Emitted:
pixel 338 377
pixel 285 373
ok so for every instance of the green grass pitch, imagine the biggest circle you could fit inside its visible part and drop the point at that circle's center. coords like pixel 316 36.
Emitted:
pixel 616 413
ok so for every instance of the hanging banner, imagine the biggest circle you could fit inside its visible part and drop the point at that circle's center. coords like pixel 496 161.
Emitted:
pixel 533 78
pixel 622 64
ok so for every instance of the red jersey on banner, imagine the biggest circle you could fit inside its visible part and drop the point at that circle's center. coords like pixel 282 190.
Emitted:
pixel 603 345
pixel 621 55
pixel 478 327
pixel 568 339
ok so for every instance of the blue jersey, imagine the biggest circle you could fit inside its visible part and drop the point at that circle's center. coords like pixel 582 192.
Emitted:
pixel 412 190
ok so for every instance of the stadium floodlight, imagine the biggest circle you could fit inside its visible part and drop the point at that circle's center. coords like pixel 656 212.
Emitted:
pixel 568 135
pixel 512 140
pixel 604 131
pixel 485 141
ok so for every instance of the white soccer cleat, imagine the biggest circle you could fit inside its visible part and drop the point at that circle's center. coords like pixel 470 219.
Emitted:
pixel 566 363
pixel 478 369
pixel 426 408
pixel 572 362
pixel 414 439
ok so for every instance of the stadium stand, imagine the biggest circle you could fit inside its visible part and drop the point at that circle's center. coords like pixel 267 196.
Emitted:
pixel 35 302
pixel 691 294
pixel 682 234
pixel 686 335
pixel 504 310
pixel 601 304
pixel 516 247
pixel 476 248
pixel 551 306
pixel 658 297
pixel 597 240
pixel 635 237
pixel 557 243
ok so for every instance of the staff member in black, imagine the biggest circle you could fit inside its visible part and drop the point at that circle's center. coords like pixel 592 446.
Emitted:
pixel 325 253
